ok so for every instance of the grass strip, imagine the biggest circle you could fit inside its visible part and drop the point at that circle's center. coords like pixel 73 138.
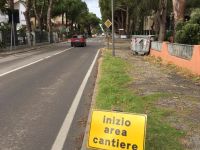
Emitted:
pixel 114 94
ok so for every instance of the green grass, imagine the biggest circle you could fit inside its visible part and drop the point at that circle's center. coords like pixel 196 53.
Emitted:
pixel 114 94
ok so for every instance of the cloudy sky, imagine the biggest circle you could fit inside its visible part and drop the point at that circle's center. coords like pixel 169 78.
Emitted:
pixel 93 6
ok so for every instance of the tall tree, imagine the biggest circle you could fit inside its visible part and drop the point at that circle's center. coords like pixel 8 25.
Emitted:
pixel 60 8
pixel 178 10
pixel 162 16
pixel 2 5
pixel 28 22
pixel 49 16
pixel 88 21
pixel 14 25
pixel 39 8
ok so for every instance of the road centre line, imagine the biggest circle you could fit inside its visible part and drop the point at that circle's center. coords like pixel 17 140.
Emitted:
pixel 63 132
pixel 3 74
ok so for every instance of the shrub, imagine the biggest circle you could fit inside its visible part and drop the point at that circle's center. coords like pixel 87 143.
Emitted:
pixel 2 44
pixel 195 16
pixel 180 37
pixel 180 25
pixel 189 32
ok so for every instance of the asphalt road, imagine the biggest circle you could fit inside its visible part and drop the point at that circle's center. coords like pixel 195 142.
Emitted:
pixel 38 97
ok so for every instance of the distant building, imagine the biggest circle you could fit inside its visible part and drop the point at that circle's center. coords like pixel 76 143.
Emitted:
pixel 21 6
pixel 18 5
pixel 148 23
pixel 3 17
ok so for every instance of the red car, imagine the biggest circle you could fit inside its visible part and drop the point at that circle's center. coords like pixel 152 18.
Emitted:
pixel 78 40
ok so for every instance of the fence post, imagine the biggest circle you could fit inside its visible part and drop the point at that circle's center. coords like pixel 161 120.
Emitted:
pixel 55 37
pixel 1 39
pixel 33 40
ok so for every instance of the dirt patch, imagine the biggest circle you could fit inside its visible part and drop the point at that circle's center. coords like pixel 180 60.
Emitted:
pixel 184 94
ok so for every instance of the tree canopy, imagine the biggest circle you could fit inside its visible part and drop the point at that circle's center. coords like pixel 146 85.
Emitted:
pixel 130 14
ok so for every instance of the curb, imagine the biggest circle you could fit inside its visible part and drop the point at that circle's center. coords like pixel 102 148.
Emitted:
pixel 85 139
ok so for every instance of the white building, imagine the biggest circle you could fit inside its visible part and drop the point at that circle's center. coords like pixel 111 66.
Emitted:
pixel 3 17
pixel 19 5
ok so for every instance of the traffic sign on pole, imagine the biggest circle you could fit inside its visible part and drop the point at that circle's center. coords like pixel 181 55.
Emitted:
pixel 108 23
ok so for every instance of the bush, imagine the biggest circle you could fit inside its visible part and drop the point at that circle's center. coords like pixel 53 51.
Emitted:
pixel 180 37
pixel 2 44
pixel 195 16
pixel 189 32
pixel 168 35
pixel 180 25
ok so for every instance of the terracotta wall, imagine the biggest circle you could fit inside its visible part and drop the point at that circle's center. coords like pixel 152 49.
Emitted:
pixel 193 64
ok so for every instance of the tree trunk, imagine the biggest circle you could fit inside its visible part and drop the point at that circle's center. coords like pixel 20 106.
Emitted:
pixel 131 27
pixel 28 22
pixel 162 19
pixel 162 32
pixel 89 31
pixel 178 9
pixel 39 15
pixel 66 19
pixel 122 21
pixel 72 27
pixel 14 25
pixel 49 25
pixel 62 18
pixel 127 20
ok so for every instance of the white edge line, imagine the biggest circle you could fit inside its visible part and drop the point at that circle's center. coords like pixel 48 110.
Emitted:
pixel 63 132
pixel 3 74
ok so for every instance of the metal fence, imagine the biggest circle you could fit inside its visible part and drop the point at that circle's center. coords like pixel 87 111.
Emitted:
pixel 6 37
pixel 156 45
pixel 37 37
pixel 180 50
pixel 41 36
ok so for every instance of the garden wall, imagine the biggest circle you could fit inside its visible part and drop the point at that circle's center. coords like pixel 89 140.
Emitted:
pixel 185 56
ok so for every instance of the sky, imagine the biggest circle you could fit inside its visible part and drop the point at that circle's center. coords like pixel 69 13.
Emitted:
pixel 93 6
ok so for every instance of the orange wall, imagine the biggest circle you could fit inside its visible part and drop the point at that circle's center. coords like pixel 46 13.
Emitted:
pixel 193 65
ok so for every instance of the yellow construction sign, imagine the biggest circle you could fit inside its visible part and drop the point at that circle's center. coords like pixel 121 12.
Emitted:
pixel 117 131
pixel 108 23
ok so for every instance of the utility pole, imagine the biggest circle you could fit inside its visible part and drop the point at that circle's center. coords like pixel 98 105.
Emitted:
pixel 113 36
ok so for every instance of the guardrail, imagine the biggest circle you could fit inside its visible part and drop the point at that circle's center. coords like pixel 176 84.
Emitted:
pixel 185 56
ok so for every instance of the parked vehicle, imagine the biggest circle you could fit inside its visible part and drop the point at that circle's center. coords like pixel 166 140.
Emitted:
pixel 78 40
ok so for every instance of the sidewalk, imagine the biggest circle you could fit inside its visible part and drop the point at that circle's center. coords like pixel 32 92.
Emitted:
pixel 182 101
pixel 22 49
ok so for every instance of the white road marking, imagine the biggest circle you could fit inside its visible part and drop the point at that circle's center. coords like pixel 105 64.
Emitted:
pixel 62 135
pixel 3 74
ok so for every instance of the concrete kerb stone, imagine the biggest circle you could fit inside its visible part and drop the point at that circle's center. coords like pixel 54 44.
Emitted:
pixel 85 139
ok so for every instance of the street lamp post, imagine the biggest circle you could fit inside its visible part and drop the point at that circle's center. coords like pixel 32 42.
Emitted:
pixel 113 37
